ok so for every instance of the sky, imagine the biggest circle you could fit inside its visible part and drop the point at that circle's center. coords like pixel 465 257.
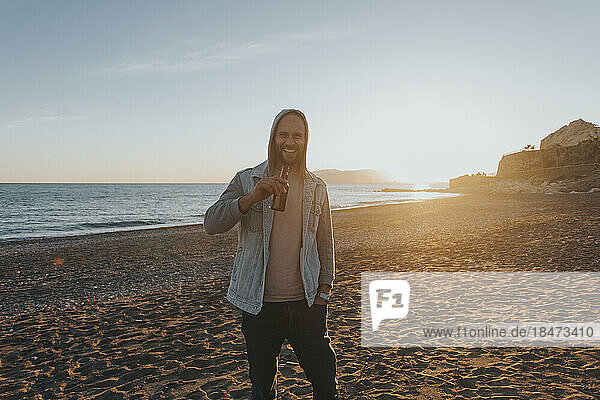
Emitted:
pixel 186 91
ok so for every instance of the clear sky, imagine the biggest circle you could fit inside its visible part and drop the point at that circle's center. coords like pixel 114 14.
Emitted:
pixel 185 91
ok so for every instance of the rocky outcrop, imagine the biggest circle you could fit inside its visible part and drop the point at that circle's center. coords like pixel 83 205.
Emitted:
pixel 568 160
pixel 553 163
pixel 571 135
pixel 525 162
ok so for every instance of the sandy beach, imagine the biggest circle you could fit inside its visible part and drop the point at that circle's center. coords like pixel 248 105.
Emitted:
pixel 143 314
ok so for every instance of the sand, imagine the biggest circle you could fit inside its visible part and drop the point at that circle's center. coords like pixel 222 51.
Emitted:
pixel 143 314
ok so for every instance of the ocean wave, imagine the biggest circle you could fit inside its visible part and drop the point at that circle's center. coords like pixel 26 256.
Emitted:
pixel 119 224
pixel 39 210
pixel 361 204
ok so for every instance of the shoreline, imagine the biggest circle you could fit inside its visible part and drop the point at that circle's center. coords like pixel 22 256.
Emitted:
pixel 408 201
pixel 135 229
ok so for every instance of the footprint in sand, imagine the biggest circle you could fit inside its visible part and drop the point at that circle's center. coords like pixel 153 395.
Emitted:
pixel 430 393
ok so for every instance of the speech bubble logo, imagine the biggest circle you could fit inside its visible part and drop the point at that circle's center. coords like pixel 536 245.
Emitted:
pixel 389 300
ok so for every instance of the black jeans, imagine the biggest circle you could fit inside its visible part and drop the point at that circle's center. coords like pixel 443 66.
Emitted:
pixel 306 330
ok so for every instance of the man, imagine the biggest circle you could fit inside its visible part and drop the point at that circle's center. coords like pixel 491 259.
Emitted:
pixel 284 264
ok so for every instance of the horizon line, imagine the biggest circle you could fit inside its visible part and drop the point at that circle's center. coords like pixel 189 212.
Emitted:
pixel 111 183
pixel 196 183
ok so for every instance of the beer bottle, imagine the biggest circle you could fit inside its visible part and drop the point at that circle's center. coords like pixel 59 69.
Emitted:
pixel 279 201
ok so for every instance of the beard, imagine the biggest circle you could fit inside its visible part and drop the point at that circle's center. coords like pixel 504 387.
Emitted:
pixel 290 159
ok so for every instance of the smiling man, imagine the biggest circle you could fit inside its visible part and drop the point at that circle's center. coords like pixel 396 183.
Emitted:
pixel 284 265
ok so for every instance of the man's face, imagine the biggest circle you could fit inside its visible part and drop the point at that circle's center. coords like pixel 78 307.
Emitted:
pixel 290 136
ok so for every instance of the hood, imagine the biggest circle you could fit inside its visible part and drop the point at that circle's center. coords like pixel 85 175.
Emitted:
pixel 272 154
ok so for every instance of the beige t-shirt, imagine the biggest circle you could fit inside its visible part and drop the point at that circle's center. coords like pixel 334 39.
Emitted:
pixel 283 280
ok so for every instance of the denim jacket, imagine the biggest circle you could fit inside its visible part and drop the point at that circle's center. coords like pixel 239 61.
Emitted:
pixel 317 265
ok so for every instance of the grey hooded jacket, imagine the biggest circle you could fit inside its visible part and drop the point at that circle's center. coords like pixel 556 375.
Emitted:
pixel 317 265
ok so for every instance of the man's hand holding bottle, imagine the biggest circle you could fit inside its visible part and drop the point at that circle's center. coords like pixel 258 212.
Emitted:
pixel 266 187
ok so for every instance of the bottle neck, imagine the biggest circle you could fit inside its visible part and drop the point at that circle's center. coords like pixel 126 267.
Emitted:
pixel 285 172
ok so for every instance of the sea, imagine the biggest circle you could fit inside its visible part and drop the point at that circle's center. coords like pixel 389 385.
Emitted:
pixel 40 210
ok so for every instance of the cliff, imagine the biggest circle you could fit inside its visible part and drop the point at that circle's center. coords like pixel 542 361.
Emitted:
pixel 568 159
